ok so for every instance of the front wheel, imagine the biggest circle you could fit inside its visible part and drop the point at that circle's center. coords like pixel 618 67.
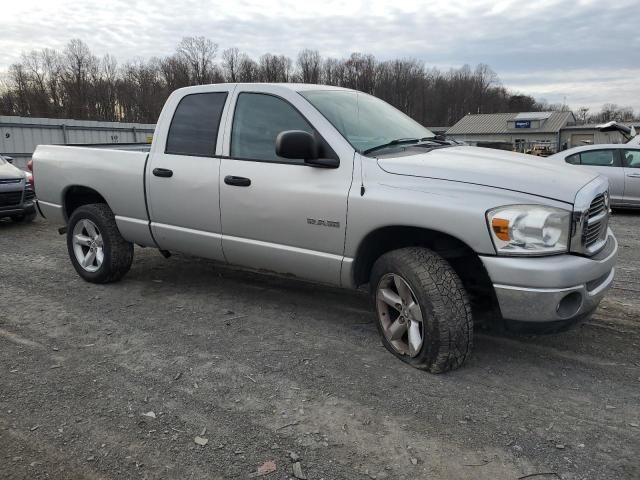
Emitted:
pixel 424 315
pixel 96 249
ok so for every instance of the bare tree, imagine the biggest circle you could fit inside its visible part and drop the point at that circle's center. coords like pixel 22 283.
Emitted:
pixel 484 80
pixel 625 114
pixel 231 64
pixel 199 53
pixel 582 114
pixel 34 64
pixel 19 82
pixel 309 64
pixel 248 69
pixel 333 72
pixel 275 68
pixel 52 62
pixel 608 112
pixel 75 84
pixel 360 72
pixel 78 62
pixel 175 72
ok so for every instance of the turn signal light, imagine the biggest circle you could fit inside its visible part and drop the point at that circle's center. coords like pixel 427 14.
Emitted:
pixel 500 227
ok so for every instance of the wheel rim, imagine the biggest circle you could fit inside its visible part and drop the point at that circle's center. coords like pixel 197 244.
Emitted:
pixel 400 315
pixel 88 246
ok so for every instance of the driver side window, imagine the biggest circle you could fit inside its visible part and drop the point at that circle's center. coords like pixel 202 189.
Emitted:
pixel 257 121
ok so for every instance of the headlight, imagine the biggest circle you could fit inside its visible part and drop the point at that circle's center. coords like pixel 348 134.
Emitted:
pixel 529 229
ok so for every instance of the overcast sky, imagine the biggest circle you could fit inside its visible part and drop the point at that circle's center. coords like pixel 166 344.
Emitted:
pixel 585 51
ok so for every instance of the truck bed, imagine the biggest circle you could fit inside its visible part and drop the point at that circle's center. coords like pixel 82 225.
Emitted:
pixel 116 174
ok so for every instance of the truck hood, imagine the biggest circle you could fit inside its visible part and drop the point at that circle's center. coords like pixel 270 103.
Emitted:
pixel 9 171
pixel 493 168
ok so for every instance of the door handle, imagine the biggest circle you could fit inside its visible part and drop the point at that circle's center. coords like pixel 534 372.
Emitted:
pixel 237 181
pixel 163 172
pixel 633 175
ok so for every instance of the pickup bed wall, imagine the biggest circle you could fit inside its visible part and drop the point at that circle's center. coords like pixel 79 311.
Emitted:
pixel 117 175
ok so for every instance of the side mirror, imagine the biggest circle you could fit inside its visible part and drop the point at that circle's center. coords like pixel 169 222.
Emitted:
pixel 301 145
pixel 296 144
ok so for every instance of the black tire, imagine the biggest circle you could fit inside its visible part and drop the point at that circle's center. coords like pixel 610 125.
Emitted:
pixel 118 253
pixel 447 321
pixel 25 218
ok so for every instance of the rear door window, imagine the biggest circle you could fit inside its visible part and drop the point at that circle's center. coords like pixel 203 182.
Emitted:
pixel 195 124
pixel 598 158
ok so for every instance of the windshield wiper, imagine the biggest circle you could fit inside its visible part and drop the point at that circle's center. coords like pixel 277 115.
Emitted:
pixel 407 141
pixel 397 141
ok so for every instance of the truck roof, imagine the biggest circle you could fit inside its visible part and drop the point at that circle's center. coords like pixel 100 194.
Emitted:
pixel 297 87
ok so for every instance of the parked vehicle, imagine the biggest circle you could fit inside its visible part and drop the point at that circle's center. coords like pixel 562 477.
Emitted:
pixel 540 150
pixel 16 193
pixel 336 186
pixel 620 163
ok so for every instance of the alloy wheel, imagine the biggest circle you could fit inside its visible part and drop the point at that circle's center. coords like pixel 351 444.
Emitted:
pixel 88 246
pixel 400 315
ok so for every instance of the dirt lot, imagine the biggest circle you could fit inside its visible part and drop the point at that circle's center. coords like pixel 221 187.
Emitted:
pixel 269 369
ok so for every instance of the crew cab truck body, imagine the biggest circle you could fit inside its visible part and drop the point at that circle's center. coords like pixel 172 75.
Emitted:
pixel 335 186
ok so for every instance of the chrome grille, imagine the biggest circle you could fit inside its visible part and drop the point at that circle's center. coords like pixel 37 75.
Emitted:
pixel 591 217
pixel 598 206
pixel 596 225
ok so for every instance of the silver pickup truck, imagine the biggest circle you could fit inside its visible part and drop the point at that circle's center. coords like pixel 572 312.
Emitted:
pixel 336 186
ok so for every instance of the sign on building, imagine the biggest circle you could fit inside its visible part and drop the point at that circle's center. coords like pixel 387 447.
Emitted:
pixel 523 123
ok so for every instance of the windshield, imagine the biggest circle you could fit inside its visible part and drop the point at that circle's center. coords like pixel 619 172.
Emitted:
pixel 1 160
pixel 365 121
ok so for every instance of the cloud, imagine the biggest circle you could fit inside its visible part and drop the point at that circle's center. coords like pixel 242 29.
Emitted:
pixel 585 50
pixel 590 88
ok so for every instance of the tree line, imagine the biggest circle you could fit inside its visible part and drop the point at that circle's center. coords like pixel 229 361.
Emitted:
pixel 74 83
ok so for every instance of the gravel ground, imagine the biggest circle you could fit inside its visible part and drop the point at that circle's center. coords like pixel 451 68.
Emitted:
pixel 117 381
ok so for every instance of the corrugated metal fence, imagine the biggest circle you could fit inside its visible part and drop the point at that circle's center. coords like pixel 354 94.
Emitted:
pixel 19 136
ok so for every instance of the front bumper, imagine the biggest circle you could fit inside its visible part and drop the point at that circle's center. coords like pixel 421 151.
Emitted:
pixel 23 209
pixel 550 289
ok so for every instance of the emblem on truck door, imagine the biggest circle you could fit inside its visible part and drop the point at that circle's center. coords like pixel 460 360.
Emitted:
pixel 323 223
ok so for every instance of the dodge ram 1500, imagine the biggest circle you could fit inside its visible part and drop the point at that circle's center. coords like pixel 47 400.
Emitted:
pixel 336 186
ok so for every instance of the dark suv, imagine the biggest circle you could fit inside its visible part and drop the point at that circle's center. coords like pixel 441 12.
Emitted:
pixel 17 195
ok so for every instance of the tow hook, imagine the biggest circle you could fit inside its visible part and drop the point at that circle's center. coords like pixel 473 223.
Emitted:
pixel 165 253
pixel 62 230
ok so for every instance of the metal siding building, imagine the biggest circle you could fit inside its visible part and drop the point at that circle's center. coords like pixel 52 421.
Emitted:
pixel 579 135
pixel 19 136
pixel 522 130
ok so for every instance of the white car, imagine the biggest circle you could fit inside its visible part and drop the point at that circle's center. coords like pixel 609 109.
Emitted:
pixel 620 163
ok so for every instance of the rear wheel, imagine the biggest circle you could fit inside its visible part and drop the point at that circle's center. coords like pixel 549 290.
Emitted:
pixel 96 249
pixel 424 316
